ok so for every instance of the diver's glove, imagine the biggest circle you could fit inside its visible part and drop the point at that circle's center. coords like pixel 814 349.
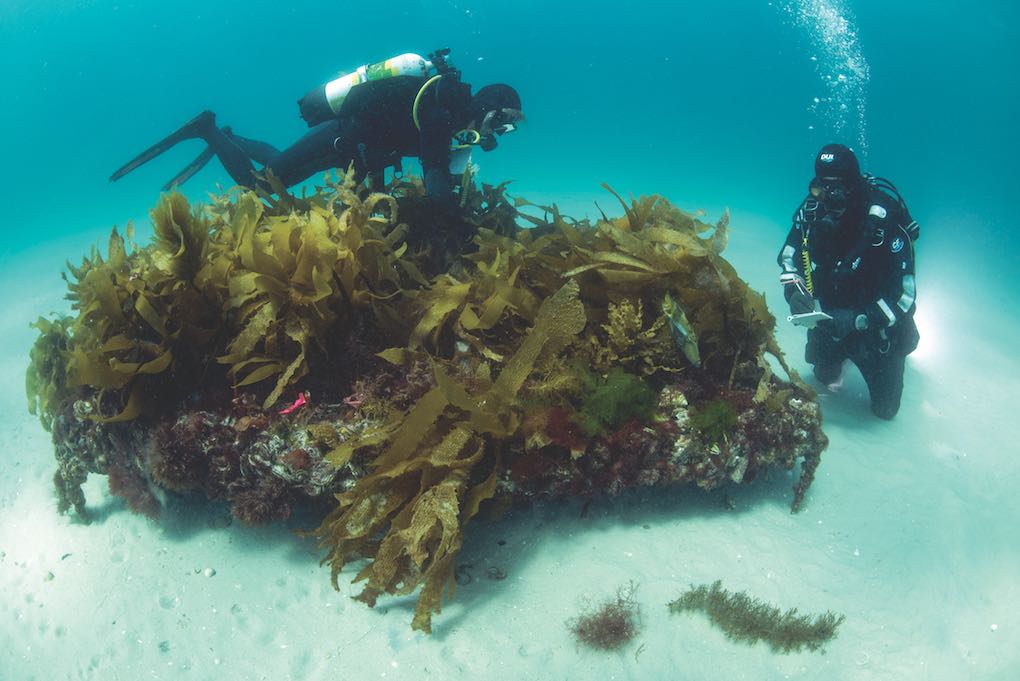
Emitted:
pixel 843 323
pixel 801 303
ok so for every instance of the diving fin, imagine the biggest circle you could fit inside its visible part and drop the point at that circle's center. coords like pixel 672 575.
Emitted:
pixel 190 130
pixel 190 169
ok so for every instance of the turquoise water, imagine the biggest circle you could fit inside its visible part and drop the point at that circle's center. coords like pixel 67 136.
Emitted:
pixel 710 104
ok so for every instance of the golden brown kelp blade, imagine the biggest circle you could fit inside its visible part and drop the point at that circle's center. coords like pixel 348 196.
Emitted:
pixel 181 237
pixel 638 211
pixel 419 494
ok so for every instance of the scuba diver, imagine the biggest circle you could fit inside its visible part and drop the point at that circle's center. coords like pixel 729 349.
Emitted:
pixel 848 275
pixel 404 106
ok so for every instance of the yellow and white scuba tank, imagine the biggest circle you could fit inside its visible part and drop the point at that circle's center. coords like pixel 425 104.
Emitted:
pixel 324 102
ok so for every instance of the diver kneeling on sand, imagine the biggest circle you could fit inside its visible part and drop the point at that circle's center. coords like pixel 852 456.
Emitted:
pixel 404 106
pixel 848 275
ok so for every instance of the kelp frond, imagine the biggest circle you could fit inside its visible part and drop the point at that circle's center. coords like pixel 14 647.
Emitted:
pixel 418 494
pixel 638 211
pixel 253 286
pixel 180 237
pixel 46 378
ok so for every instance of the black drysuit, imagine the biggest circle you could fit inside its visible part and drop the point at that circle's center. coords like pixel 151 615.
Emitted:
pixel 374 129
pixel 863 267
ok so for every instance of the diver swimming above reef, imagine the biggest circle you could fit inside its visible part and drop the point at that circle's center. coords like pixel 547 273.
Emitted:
pixel 373 117
pixel 848 275
pixel 276 354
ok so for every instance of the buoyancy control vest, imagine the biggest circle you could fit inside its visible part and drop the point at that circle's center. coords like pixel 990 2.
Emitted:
pixel 883 185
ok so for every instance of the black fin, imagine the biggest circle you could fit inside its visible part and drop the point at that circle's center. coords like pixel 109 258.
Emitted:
pixel 190 169
pixel 189 130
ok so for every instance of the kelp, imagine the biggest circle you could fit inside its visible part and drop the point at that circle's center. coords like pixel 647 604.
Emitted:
pixel 139 316
pixel 130 317
pixel 637 212
pixel 240 284
pixel 181 238
pixel 419 493
pixel 617 275
pixel 46 378
pixel 293 279
pixel 263 295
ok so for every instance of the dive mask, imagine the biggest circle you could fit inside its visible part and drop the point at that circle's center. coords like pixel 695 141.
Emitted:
pixel 497 122
pixel 500 122
pixel 831 193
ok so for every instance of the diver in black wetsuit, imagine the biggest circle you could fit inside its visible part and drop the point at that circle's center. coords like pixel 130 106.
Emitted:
pixel 857 235
pixel 378 122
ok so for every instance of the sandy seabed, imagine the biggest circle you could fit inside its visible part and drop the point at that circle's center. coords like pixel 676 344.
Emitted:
pixel 910 531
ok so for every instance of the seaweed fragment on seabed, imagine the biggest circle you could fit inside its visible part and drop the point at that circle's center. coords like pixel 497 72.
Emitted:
pixel 611 624
pixel 748 620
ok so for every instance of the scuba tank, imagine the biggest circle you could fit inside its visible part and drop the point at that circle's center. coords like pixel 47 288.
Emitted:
pixel 323 102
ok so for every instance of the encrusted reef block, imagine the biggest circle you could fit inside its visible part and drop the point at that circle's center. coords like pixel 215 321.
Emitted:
pixel 400 373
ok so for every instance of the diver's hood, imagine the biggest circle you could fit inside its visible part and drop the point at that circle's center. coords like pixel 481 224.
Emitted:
pixel 838 162
pixel 493 98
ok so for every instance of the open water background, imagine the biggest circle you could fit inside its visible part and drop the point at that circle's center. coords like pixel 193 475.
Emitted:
pixel 709 104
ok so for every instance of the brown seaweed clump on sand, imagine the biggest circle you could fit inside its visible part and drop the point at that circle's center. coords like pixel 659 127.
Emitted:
pixel 611 625
pixel 748 620
pixel 404 372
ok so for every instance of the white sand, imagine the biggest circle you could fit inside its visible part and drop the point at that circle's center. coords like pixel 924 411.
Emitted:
pixel 909 530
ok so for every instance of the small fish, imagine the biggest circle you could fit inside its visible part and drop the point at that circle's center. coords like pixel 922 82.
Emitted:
pixel 683 333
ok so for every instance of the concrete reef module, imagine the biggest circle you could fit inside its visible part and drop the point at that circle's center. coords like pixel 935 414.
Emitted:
pixel 399 370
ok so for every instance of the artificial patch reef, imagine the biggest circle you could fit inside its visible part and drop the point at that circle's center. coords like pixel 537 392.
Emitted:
pixel 403 370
